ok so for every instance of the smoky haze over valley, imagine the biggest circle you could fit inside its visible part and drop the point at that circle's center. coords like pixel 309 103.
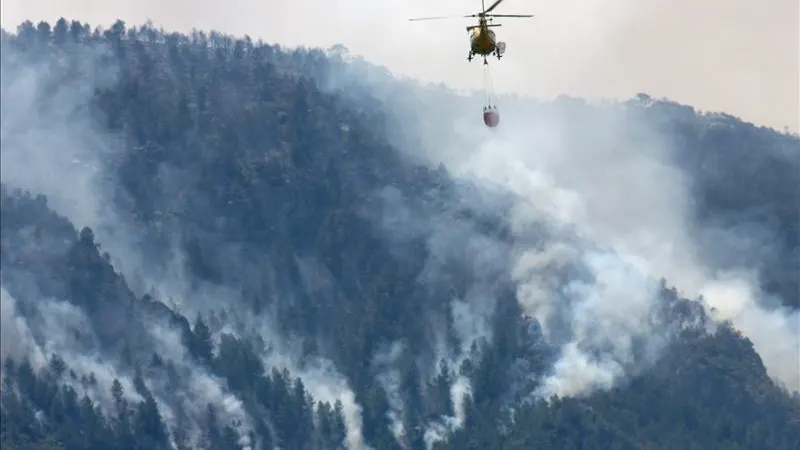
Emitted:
pixel 738 57
pixel 213 243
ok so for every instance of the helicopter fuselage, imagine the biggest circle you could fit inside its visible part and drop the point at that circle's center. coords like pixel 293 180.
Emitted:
pixel 482 41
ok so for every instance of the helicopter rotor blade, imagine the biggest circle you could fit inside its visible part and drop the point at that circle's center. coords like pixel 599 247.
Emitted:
pixel 439 17
pixel 493 6
pixel 510 15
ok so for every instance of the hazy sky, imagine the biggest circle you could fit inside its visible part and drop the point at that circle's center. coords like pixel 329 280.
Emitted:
pixel 736 56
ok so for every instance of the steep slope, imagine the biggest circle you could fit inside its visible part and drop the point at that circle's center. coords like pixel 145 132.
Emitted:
pixel 268 268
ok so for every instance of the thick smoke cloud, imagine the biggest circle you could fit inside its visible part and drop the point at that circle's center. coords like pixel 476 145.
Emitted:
pixel 50 332
pixel 52 145
pixel 16 338
pixel 389 378
pixel 450 243
pixel 605 179
pixel 606 197
pixel 613 213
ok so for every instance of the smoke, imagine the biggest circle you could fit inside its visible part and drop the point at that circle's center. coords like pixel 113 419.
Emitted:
pixel 57 328
pixel 603 175
pixel 775 332
pixel 459 392
pixel 52 145
pixel 325 383
pixel 319 375
pixel 16 338
pixel 390 380
pixel 613 214
pixel 585 174
pixel 452 245
pixel 607 319
pixel 576 184
pixel 438 431
pixel 199 388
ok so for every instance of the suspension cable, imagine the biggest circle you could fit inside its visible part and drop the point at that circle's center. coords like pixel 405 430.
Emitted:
pixel 488 87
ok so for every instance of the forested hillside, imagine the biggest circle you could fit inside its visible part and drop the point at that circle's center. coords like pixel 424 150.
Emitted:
pixel 214 243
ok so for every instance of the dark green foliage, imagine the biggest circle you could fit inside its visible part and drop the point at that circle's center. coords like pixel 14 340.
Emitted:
pixel 232 152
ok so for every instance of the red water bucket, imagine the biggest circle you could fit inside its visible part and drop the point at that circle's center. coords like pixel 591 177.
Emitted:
pixel 491 118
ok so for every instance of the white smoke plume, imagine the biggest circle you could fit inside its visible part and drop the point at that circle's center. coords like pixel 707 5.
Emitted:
pixel 452 241
pixel 389 379
pixel 319 375
pixel 438 431
pixel 325 383
pixel 775 332
pixel 597 180
pixel 16 338
pixel 601 176
pixel 202 388
pixel 52 146
pixel 46 131
pixel 472 326
pixel 52 332
pixel 459 392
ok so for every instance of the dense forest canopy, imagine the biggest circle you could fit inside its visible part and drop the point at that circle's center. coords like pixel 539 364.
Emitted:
pixel 209 242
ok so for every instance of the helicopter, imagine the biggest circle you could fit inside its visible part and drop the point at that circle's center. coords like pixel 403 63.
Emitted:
pixel 483 41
